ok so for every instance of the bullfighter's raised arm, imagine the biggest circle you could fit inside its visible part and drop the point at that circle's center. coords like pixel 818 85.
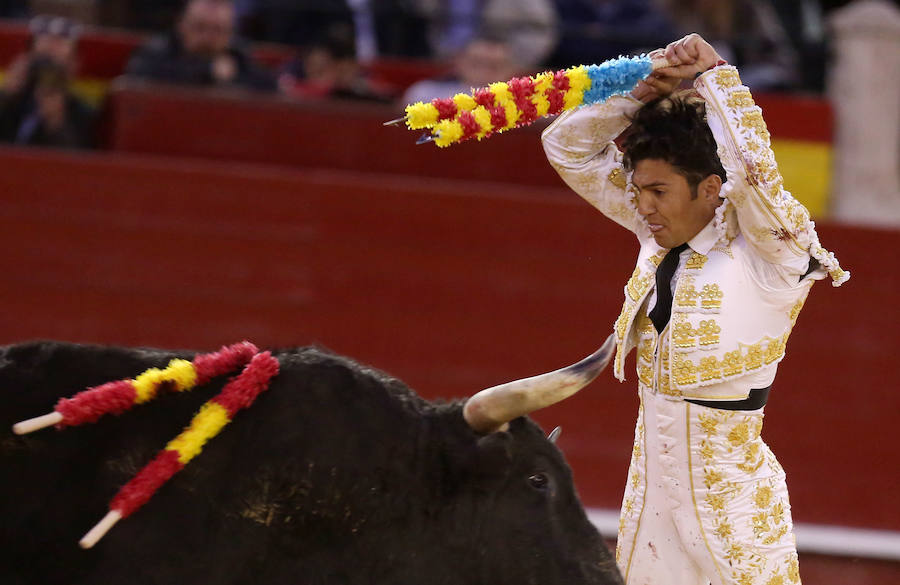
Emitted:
pixel 771 220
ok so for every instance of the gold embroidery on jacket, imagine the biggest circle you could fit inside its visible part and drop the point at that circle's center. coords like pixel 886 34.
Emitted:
pixel 709 333
pixel 683 334
pixel 740 99
pixel 732 363
pixel 696 261
pixel 711 297
pixel 684 371
pixel 686 295
pixel 727 78
pixel 657 258
pixel 754 358
pixel 724 250
pixel 638 284
pixel 622 320
pixel 752 119
pixel 617 178
pixel 710 369
pixel 645 374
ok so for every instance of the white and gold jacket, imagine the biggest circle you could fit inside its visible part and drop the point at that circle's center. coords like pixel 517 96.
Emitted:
pixel 740 286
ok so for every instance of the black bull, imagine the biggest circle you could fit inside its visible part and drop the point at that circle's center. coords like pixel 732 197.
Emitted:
pixel 337 474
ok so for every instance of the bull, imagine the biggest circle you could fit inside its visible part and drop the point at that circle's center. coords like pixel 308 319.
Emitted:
pixel 338 474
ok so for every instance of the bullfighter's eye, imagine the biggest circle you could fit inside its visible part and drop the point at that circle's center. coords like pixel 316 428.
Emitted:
pixel 539 481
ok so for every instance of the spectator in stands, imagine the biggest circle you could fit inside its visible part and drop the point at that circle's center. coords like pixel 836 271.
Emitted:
pixel 747 33
pixel 530 26
pixel 596 30
pixel 292 22
pixel 202 50
pixel 37 106
pixel 44 112
pixel 52 37
pixel 328 68
pixel 484 60
pixel 13 8
pixel 382 27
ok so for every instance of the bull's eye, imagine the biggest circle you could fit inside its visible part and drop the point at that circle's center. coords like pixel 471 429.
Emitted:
pixel 539 481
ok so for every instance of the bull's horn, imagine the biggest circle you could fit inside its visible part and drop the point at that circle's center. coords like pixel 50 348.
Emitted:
pixel 491 409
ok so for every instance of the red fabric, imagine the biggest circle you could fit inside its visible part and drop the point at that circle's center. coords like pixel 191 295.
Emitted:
pixel 141 488
pixel 227 359
pixel 241 391
pixel 89 405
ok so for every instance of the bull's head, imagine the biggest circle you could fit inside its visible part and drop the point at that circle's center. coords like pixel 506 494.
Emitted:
pixel 493 408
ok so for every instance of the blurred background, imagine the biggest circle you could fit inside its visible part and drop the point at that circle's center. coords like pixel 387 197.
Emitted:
pixel 189 174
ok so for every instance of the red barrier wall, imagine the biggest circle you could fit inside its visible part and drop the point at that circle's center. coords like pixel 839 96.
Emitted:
pixel 451 286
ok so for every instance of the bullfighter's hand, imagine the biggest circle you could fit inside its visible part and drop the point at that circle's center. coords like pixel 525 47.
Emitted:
pixel 655 85
pixel 688 57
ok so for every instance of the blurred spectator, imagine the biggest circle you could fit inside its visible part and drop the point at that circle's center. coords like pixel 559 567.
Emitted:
pixel 529 25
pixel 596 30
pixel 328 68
pixel 293 22
pixel 382 27
pixel 804 21
pixel 484 60
pixel 37 106
pixel 201 50
pixel 389 27
pixel 13 8
pixel 52 37
pixel 746 33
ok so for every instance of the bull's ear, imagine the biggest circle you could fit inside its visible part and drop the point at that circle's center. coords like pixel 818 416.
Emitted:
pixel 494 451
pixel 554 434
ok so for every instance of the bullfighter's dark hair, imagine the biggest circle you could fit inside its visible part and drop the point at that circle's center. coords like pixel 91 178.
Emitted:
pixel 674 129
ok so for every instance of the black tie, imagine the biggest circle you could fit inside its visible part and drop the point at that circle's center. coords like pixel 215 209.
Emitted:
pixel 663 309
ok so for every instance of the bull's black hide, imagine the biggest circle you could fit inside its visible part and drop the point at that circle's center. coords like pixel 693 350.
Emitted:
pixel 337 474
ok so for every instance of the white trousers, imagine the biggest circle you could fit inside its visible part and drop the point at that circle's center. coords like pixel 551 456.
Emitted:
pixel 705 502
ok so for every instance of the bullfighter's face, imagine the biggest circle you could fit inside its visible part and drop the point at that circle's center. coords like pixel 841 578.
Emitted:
pixel 675 213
